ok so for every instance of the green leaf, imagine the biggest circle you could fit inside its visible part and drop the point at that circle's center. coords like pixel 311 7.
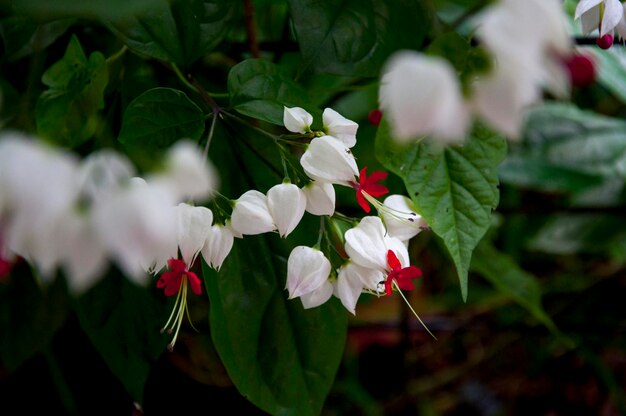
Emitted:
pixel 611 66
pixel 179 31
pixel 22 36
pixel 282 357
pixel 564 136
pixel 123 322
pixel 258 89
pixel 159 117
pixel 67 113
pixel 355 37
pixel 455 188
pixel 505 275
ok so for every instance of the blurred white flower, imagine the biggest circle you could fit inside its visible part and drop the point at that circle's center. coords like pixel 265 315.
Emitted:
pixel 422 96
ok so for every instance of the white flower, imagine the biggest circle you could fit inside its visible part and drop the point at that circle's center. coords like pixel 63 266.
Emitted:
pixel 320 198
pixel 339 127
pixel 136 225
pixel 187 173
pixel 286 203
pixel 307 270
pixel 351 281
pixel 38 187
pixel 193 228
pixel 422 97
pixel 367 245
pixel 102 173
pixel 297 120
pixel 400 217
pixel 327 159
pixel 592 17
pixel 251 214
pixel 317 296
pixel 218 244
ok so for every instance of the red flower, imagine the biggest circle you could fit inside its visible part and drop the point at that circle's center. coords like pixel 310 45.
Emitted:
pixel 173 280
pixel 5 268
pixel 403 276
pixel 369 186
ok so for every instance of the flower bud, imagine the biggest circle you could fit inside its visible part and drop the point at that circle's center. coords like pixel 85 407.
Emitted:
pixel 297 120
pixel 218 244
pixel 320 198
pixel 251 214
pixel 329 160
pixel 286 203
pixel 340 127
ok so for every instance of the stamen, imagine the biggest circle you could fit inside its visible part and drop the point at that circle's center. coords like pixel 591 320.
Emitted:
pixel 413 310
pixel 392 212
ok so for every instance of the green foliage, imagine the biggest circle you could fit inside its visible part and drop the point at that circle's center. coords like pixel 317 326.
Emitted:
pixel 123 322
pixel 177 31
pixel 67 113
pixel 354 37
pixel 455 188
pixel 21 36
pixel 281 356
pixel 159 117
pixel 259 89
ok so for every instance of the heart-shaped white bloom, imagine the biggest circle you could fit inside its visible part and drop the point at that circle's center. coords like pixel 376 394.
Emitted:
pixel 320 198
pixel 340 127
pixel 193 228
pixel 318 296
pixel 297 120
pixel 588 11
pixel 307 270
pixel 251 214
pixel 286 203
pixel 351 281
pixel 327 159
pixel 217 246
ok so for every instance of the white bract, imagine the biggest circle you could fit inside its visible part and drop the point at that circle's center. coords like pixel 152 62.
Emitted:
pixel 317 296
pixel 340 127
pixel 251 214
pixel 320 198
pixel 286 203
pixel 218 244
pixel 297 120
pixel 604 15
pixel 400 217
pixel 187 173
pixel 327 159
pixel 351 281
pixel 193 227
pixel 307 270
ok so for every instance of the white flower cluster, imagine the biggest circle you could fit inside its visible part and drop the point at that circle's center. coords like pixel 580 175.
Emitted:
pixel 57 211
pixel 529 44
pixel 328 160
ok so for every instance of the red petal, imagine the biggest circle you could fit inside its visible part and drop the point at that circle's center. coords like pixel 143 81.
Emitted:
pixel 363 175
pixel 172 285
pixel 388 284
pixel 362 201
pixel 377 177
pixel 393 262
pixel 176 265
pixel 376 190
pixel 411 272
pixel 405 284
pixel 165 277
pixel 194 282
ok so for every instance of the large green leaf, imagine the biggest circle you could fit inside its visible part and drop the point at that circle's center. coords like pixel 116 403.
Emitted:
pixel 611 67
pixel 123 321
pixel 178 31
pixel 282 357
pixel 564 136
pixel 506 276
pixel 454 188
pixel 67 113
pixel 259 89
pixel 160 117
pixel 22 36
pixel 355 37
pixel 91 9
